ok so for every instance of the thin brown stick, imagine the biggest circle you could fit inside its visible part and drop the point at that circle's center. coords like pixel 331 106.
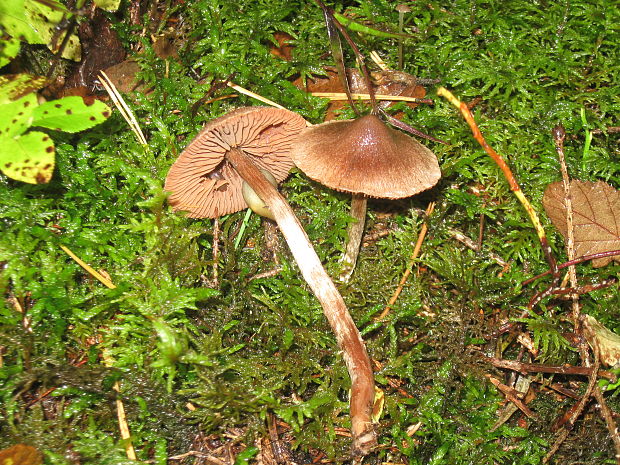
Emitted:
pixel 480 234
pixel 194 453
pixel 576 261
pixel 577 410
pixel 558 136
pixel 513 396
pixel 609 130
pixel 463 239
pixel 524 368
pixel 510 178
pixel 608 416
pixel 414 256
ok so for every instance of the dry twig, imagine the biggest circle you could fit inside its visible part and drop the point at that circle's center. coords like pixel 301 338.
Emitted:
pixel 120 408
pixel 414 256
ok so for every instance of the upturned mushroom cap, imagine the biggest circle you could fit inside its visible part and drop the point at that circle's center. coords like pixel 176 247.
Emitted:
pixel 205 185
pixel 365 156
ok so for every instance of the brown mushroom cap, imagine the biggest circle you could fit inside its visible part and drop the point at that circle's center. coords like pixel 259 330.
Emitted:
pixel 203 182
pixel 365 156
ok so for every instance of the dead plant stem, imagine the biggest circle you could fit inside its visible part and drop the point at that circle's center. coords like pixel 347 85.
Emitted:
pixel 414 256
pixel 512 182
pixel 559 135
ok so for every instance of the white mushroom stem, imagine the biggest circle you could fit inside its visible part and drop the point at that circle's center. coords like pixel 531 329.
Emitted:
pixel 355 233
pixel 348 337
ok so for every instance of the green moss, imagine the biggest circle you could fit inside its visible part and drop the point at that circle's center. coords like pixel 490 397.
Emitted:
pixel 239 348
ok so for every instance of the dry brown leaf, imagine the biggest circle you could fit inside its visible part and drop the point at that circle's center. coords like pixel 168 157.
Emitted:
pixel 608 342
pixel 386 82
pixel 20 454
pixel 596 216
pixel 284 49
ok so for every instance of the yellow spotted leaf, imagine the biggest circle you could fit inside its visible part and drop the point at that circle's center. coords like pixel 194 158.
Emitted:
pixel 28 158
pixel 45 20
pixel 70 114
pixel 108 5
pixel 15 86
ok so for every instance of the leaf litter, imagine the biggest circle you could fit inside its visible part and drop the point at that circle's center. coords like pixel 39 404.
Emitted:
pixel 596 217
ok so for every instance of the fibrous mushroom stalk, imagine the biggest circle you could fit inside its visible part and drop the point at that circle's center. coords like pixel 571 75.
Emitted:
pixel 347 335
pixel 355 233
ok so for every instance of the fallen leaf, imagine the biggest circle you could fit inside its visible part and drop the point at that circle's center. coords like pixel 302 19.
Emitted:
pixel 20 454
pixel 15 86
pixel 387 82
pixel 607 341
pixel 282 47
pixel 123 76
pixel 596 216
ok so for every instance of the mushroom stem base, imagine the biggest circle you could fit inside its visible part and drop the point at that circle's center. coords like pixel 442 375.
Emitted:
pixel 347 335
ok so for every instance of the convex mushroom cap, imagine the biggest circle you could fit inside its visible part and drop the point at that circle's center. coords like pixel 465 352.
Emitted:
pixel 204 184
pixel 365 156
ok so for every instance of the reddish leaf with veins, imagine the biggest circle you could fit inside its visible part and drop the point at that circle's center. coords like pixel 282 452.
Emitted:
pixel 596 216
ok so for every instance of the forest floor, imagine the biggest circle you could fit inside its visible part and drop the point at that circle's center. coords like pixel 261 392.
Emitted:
pixel 204 330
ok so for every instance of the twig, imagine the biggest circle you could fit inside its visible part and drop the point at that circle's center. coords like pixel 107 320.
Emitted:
pixel 336 96
pixel 120 408
pixel 606 412
pixel 607 415
pixel 105 281
pixel 521 388
pixel 462 238
pixel 512 182
pixel 374 56
pixel 202 455
pixel 274 440
pixel 249 93
pixel 558 136
pixel 414 256
pixel 524 368
pixel 267 274
pixel 513 396
pixel 124 109
pixel 583 258
pixel 577 410
pixel 608 130
pixel 120 414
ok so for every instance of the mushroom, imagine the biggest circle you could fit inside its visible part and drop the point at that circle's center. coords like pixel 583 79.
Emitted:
pixel 366 158
pixel 206 181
